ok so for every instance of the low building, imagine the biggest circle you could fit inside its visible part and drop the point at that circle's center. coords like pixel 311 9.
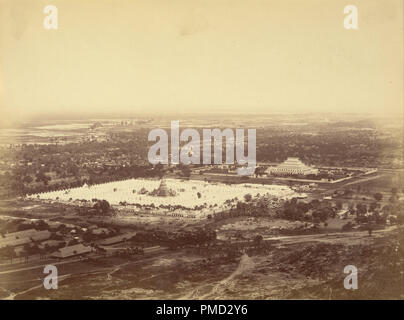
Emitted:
pixel 20 234
pixel 51 244
pixel 11 242
pixel 41 235
pixel 343 214
pixel 71 251
pixel 54 225
pixel 23 237
pixel 100 231
pixel 117 239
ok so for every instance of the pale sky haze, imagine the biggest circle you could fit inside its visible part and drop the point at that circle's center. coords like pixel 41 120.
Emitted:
pixel 210 56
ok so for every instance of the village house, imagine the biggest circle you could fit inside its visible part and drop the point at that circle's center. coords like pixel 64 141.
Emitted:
pixel 23 237
pixel 71 251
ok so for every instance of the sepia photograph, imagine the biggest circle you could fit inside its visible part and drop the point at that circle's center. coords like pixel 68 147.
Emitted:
pixel 221 150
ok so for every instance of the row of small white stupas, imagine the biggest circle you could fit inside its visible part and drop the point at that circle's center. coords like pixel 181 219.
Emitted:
pixel 182 214
pixel 85 185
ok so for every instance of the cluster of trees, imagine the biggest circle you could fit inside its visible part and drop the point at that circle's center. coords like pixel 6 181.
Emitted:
pixel 169 207
pixel 248 207
pixel 94 207
pixel 338 146
pixel 38 168
pixel 191 238
pixel 294 210
pixel 102 206
pixel 178 239
pixel 14 183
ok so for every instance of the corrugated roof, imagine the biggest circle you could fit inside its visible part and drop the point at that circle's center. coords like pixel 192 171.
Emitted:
pixel 71 251
pixel 20 234
pixel 117 239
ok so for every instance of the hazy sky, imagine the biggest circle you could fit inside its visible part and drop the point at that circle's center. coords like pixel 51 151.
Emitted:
pixel 200 56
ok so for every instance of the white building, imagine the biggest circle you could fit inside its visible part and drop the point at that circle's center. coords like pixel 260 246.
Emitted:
pixel 292 166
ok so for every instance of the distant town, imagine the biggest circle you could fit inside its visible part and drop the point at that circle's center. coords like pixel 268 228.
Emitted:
pixel 82 196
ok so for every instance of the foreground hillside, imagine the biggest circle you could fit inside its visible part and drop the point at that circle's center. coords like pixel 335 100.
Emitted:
pixel 295 267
